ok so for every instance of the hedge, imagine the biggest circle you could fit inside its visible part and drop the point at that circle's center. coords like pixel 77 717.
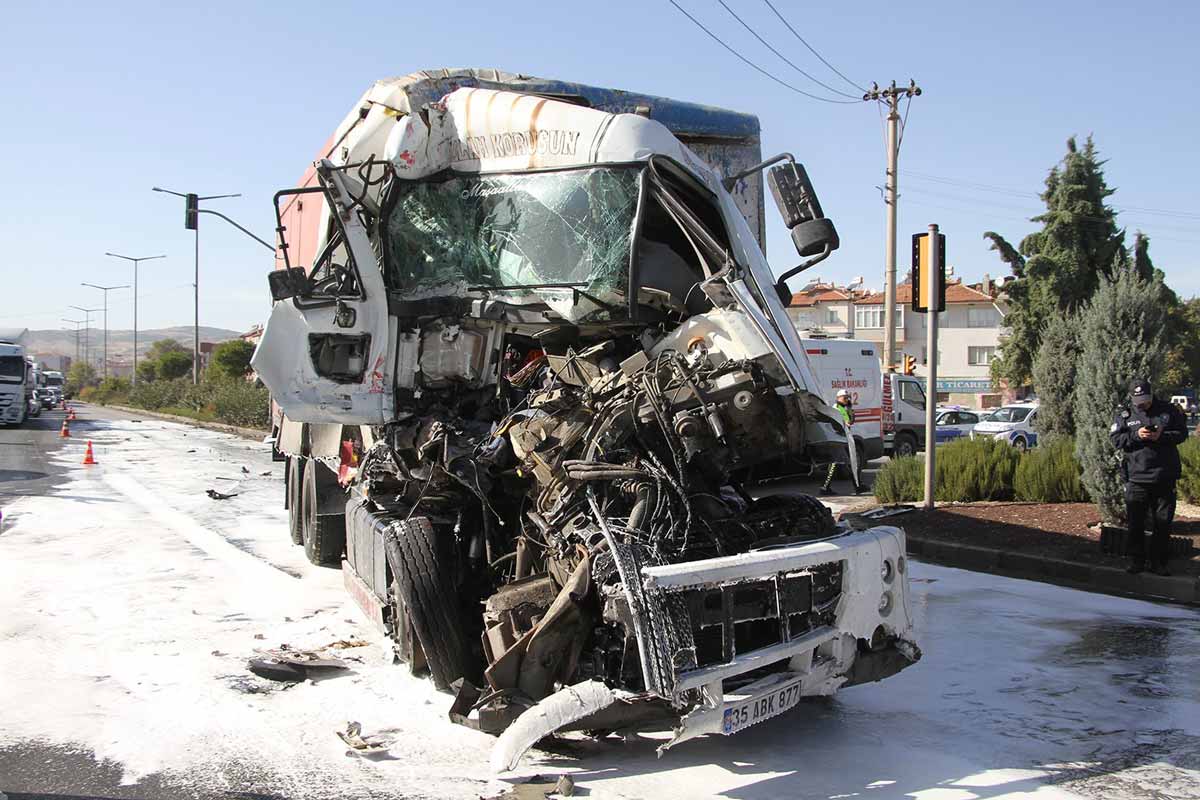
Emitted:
pixel 1050 473
pixel 967 470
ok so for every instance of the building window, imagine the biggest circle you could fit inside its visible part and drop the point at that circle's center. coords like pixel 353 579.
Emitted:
pixel 925 355
pixel 831 317
pixel 980 356
pixel 982 317
pixel 872 316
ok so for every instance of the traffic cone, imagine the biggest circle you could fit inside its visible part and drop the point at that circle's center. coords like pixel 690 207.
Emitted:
pixel 65 433
pixel 71 414
pixel 88 458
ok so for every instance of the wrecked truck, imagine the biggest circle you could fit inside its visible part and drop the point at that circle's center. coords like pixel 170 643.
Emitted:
pixel 533 372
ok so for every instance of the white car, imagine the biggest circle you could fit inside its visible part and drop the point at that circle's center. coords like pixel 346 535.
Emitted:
pixel 1013 424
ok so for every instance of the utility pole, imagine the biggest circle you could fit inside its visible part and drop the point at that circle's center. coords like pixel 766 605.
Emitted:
pixel 133 377
pixel 191 221
pixel 891 95
pixel 106 290
pixel 87 332
pixel 76 323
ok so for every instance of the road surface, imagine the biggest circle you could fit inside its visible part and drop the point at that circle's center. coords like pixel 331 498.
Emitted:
pixel 131 601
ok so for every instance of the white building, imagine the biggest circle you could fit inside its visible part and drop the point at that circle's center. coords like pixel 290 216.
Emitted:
pixel 968 332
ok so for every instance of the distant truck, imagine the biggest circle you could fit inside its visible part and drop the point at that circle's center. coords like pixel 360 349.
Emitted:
pixel 54 387
pixel 530 358
pixel 15 384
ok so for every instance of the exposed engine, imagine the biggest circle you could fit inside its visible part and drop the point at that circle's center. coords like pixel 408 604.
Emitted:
pixel 589 455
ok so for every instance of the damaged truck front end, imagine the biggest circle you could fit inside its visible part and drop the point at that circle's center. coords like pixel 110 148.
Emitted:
pixel 562 370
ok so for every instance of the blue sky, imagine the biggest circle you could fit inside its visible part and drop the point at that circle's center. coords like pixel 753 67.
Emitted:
pixel 103 101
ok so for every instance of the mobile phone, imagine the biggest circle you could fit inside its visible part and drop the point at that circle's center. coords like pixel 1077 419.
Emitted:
pixel 1151 428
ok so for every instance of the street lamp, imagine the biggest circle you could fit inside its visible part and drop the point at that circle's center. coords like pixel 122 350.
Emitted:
pixel 76 323
pixel 106 290
pixel 190 221
pixel 133 377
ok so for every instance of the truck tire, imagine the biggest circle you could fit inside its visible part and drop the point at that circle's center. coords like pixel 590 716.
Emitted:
pixel 430 599
pixel 292 499
pixel 906 445
pixel 324 534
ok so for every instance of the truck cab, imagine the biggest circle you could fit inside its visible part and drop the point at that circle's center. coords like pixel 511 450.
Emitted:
pixel 15 387
pixel 538 359
pixel 903 412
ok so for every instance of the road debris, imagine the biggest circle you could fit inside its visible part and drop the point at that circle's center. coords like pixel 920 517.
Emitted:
pixel 369 744
pixel 215 495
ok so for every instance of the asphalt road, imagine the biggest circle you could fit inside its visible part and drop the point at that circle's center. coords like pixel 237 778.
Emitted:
pixel 131 600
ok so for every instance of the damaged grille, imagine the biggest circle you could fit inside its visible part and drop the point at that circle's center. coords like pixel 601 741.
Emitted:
pixel 701 628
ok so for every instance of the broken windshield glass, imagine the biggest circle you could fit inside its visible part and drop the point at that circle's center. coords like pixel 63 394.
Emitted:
pixel 559 238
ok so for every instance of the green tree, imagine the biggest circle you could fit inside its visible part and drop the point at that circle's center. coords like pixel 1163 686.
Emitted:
pixel 174 364
pixel 1122 337
pixel 163 346
pixel 231 359
pixel 1183 362
pixel 1054 368
pixel 147 370
pixel 1059 267
pixel 79 375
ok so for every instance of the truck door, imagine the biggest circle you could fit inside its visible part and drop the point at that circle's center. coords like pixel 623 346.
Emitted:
pixel 324 350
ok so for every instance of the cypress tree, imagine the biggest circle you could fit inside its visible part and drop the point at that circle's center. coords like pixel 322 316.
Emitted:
pixel 1122 336
pixel 1054 369
pixel 1059 267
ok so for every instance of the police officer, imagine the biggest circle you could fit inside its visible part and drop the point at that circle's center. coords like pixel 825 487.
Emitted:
pixel 1148 433
pixel 845 406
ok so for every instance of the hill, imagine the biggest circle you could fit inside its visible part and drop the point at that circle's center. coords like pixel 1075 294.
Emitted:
pixel 120 342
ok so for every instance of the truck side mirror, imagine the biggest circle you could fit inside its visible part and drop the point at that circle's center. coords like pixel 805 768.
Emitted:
pixel 287 283
pixel 812 233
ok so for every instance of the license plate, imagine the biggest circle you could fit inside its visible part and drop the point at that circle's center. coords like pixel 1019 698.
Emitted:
pixel 744 712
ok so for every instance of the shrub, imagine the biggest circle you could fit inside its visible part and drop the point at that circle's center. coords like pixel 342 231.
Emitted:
pixel 976 469
pixel 1189 483
pixel 241 403
pixel 967 470
pixel 902 480
pixel 111 390
pixel 1050 473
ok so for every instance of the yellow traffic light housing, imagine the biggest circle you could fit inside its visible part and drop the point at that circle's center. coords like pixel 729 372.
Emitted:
pixel 910 365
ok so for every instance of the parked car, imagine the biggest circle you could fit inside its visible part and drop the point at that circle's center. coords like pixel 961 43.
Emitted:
pixel 955 422
pixel 1013 424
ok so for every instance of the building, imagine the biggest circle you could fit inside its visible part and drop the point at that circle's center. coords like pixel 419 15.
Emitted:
pixel 968 332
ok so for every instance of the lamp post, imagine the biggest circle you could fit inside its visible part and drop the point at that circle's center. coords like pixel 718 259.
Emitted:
pixel 76 323
pixel 191 217
pixel 133 377
pixel 106 290
pixel 87 332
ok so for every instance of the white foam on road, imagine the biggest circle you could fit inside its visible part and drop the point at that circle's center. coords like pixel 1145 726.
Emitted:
pixel 131 602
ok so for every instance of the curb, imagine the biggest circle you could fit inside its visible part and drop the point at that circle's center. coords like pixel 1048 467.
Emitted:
pixel 245 433
pixel 1106 580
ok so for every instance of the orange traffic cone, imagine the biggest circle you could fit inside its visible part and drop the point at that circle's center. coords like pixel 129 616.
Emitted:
pixel 88 458
pixel 71 414
pixel 65 433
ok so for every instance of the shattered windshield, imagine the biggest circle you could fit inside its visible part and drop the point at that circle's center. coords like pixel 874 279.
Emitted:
pixel 563 238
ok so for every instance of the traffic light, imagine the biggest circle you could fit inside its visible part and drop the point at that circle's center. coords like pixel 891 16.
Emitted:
pixel 191 212
pixel 910 365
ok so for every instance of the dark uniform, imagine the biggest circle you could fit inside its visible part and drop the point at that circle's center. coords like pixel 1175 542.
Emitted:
pixel 1149 469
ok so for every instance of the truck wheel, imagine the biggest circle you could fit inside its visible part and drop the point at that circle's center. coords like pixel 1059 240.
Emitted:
pixel 423 577
pixel 905 445
pixel 324 534
pixel 295 484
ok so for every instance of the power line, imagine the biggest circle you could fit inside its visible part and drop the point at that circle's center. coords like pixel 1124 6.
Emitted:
pixel 986 187
pixel 750 63
pixel 785 59
pixel 810 48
